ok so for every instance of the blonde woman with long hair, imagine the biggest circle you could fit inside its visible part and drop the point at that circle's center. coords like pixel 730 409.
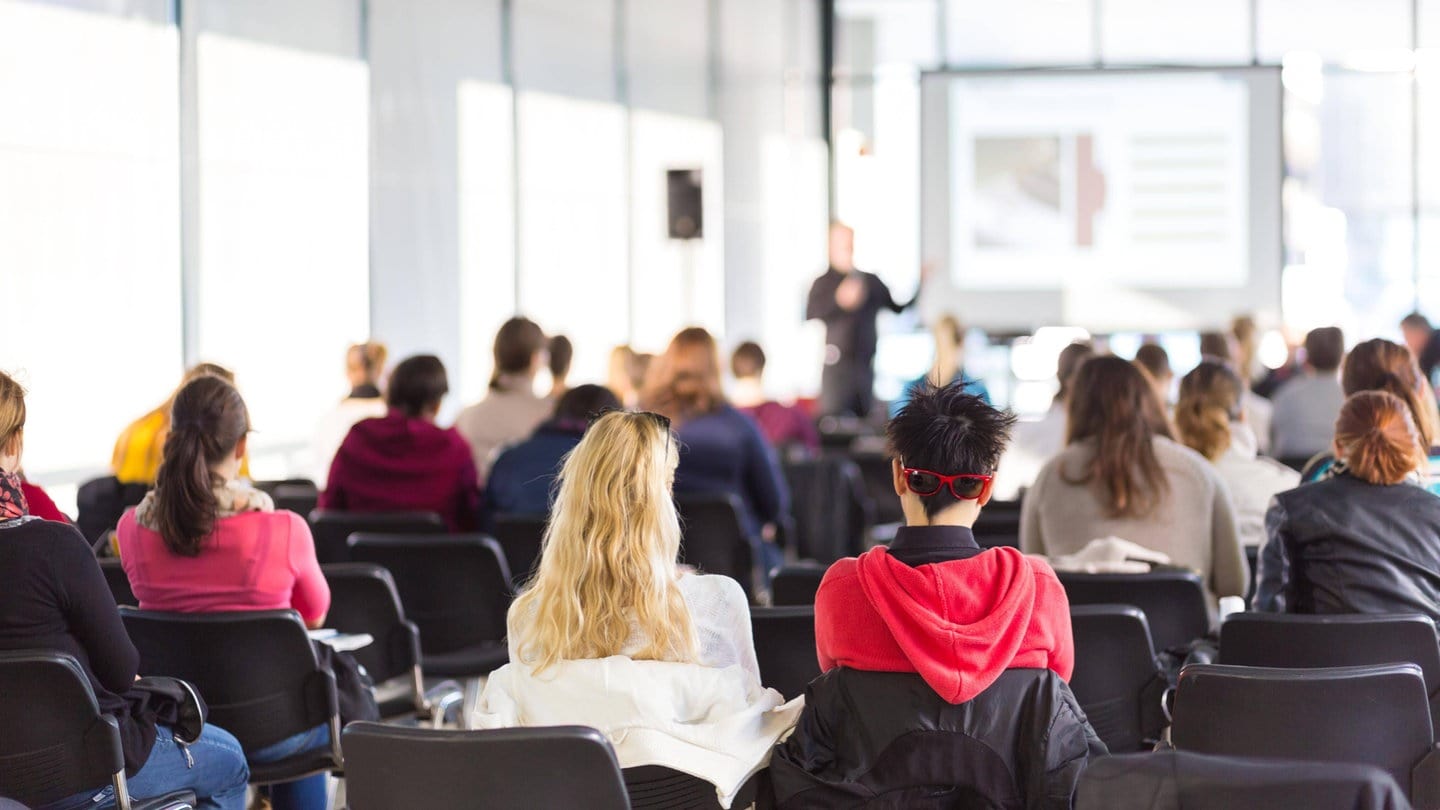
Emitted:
pixel 611 633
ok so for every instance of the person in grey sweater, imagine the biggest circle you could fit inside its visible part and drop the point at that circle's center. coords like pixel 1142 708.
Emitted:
pixel 1121 475
pixel 1305 407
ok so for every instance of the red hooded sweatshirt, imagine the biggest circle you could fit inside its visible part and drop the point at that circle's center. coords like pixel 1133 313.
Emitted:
pixel 399 464
pixel 958 624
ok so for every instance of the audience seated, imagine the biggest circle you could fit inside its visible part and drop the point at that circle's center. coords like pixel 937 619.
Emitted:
pixel 612 634
pixel 562 354
pixel 1379 365
pixel 1121 475
pixel 1366 539
pixel 138 450
pixel 1424 343
pixel 523 478
pixel 204 541
pixel 970 621
pixel 511 410
pixel 1155 361
pixel 364 365
pixel 786 427
pixel 403 461
pixel 626 375
pixel 1035 443
pixel 41 505
pixel 721 449
pixel 1243 342
pixel 1210 421
pixel 949 365
pixel 54 597
pixel 1305 406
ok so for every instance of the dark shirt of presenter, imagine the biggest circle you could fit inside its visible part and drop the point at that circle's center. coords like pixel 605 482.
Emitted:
pixel 847 301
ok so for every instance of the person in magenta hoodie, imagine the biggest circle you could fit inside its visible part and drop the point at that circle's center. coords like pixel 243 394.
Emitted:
pixel 403 461
pixel 934 602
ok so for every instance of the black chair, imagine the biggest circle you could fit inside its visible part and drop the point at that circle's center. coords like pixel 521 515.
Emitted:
pixel 455 588
pixel 714 540
pixel 57 743
pixel 1176 779
pixel 1377 715
pixel 389 767
pixel 101 502
pixel 785 648
pixel 363 599
pixel 1173 601
pixel 831 508
pixel 1304 641
pixel 258 674
pixel 998 525
pixel 655 787
pixel 796 583
pixel 119 583
pixel 520 537
pixel 270 487
pixel 298 498
pixel 332 528
pixel 879 480
pixel 1117 678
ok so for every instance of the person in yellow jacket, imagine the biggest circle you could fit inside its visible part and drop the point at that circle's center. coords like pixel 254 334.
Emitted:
pixel 138 450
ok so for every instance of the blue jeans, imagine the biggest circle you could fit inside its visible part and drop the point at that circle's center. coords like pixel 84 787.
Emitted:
pixel 218 775
pixel 302 794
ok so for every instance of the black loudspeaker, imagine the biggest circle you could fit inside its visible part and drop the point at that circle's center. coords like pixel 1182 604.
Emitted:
pixel 684 208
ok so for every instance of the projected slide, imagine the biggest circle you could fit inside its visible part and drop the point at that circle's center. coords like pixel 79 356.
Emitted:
pixel 1073 180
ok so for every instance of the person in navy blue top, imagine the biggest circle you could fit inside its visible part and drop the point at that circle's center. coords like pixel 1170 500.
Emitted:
pixel 523 478
pixel 721 449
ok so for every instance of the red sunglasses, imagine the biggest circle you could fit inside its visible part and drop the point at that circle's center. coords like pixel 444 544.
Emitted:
pixel 971 486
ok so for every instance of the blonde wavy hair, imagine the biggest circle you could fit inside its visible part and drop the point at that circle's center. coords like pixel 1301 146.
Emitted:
pixel 1209 404
pixel 607 564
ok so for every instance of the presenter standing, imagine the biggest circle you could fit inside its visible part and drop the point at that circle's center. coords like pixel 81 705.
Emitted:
pixel 847 301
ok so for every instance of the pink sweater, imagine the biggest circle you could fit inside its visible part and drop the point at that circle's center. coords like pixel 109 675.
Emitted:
pixel 251 561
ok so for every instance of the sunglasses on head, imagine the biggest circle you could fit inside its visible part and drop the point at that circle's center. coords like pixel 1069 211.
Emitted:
pixel 965 486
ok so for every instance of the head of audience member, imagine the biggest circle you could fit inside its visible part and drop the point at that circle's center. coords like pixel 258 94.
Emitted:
pixel 1209 404
pixel 1416 328
pixel 1381 365
pixel 1216 346
pixel 208 428
pixel 1155 362
pixel 748 361
pixel 1069 362
pixel 562 354
pixel 943 431
pixel 364 363
pixel 1246 336
pixel 1377 439
pixel 519 351
pixel 197 371
pixel 842 247
pixel 12 424
pixel 1324 349
pixel 417 386
pixel 581 405
pixel 684 382
pixel 607 563
pixel 949 349
pixel 1114 406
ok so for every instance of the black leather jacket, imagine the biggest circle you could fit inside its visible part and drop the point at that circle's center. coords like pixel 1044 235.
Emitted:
pixel 886 740
pixel 1346 546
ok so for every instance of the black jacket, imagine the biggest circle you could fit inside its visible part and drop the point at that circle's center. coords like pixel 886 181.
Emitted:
pixel 886 740
pixel 1346 546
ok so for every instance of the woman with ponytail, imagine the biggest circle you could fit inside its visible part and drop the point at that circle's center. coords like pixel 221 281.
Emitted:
pixel 1211 420
pixel 1366 539
pixel 205 541
pixel 54 597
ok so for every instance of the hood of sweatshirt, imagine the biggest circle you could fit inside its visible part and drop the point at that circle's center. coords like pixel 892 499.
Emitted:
pixel 962 623
pixel 399 443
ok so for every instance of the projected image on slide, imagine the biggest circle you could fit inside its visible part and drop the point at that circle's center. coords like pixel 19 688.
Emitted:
pixel 1077 183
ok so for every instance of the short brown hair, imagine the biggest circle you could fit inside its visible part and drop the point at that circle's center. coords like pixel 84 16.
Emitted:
pixel 1325 348
pixel 1380 365
pixel 748 360
pixel 516 345
pixel 1376 437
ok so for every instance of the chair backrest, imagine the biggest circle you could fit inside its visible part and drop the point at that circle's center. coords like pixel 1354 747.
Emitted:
pixel 655 787
pixel 455 588
pixel 879 483
pixel 300 498
pixel 998 525
pixel 1376 715
pixel 118 581
pixel 520 537
pixel 256 669
pixel 785 647
pixel 363 599
pixel 1117 678
pixel 332 528
pixel 56 741
pixel 1201 782
pixel 831 507
pixel 796 583
pixel 714 540
pixel 1305 641
pixel 502 769
pixel 101 502
pixel 1173 601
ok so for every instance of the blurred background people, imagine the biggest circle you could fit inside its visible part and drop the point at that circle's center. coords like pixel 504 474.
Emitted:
pixel 364 369
pixel 948 367
pixel 788 428
pixel 562 354
pixel 511 409
pixel 140 447
pixel 1305 407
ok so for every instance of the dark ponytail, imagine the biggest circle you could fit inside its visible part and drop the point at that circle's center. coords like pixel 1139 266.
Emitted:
pixel 207 421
